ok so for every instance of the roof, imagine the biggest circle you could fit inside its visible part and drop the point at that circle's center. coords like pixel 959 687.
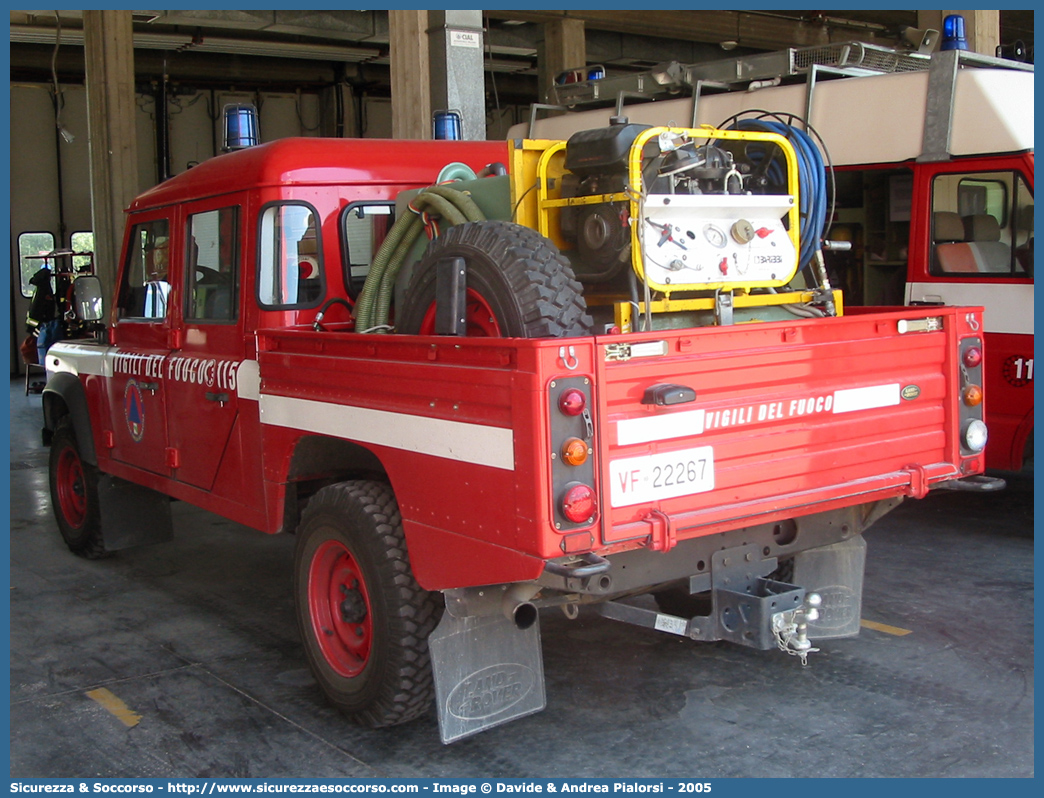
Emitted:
pixel 321 161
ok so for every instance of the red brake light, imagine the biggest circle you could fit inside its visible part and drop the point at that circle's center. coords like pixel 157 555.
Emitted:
pixel 578 504
pixel 972 356
pixel 572 402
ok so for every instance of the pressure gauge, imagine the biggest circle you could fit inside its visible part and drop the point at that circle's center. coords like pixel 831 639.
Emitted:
pixel 715 235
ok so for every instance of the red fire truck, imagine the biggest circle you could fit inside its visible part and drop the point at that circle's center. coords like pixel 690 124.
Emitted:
pixel 933 184
pixel 462 431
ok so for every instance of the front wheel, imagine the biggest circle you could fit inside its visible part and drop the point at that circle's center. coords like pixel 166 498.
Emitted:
pixel 363 618
pixel 74 494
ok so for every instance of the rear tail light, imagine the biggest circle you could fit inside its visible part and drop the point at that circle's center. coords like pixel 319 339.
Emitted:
pixel 578 503
pixel 974 435
pixel 572 401
pixel 970 411
pixel 573 498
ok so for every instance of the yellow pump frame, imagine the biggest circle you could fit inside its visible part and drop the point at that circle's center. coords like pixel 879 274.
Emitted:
pixel 537 166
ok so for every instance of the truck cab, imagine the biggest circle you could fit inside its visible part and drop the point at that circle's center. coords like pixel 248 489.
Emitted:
pixel 204 267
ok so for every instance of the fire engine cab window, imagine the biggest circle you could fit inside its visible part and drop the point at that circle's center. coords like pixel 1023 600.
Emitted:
pixel 31 246
pixel 364 227
pixel 982 224
pixel 213 266
pixel 145 286
pixel 290 273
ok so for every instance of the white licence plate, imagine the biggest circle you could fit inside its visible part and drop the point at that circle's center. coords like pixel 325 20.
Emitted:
pixel 652 477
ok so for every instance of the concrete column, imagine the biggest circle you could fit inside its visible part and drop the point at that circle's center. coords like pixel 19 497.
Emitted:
pixel 456 53
pixel 410 74
pixel 981 28
pixel 564 47
pixel 109 55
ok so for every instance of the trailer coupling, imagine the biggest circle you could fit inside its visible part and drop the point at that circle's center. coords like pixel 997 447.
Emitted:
pixel 768 614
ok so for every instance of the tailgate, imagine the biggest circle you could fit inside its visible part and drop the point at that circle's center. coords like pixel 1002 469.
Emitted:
pixel 714 428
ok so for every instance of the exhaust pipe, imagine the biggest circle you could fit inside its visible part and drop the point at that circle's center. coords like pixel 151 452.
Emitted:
pixel 517 606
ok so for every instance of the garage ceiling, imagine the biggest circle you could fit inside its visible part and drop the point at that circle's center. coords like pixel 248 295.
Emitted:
pixel 622 40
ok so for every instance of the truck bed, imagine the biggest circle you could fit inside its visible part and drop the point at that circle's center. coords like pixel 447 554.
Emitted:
pixel 788 419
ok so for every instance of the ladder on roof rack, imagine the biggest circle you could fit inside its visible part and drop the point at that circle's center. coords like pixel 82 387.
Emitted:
pixel 848 59
pixel 851 59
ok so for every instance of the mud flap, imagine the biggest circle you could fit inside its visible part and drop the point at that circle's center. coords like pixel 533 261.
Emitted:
pixel 132 515
pixel 835 572
pixel 487 672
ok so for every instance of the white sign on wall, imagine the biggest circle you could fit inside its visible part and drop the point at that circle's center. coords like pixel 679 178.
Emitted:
pixel 465 38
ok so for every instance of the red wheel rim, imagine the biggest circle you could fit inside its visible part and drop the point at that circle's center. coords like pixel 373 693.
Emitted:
pixel 339 607
pixel 478 316
pixel 72 490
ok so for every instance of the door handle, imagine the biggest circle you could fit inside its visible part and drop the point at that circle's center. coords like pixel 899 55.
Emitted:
pixel 220 398
pixel 151 387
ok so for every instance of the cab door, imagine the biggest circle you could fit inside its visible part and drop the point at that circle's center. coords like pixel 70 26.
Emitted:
pixel 977 249
pixel 142 332
pixel 202 369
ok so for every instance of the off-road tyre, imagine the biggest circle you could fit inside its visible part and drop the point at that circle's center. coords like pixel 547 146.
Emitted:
pixel 74 494
pixel 363 618
pixel 519 285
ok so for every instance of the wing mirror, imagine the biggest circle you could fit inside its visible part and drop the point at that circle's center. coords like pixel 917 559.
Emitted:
pixel 87 298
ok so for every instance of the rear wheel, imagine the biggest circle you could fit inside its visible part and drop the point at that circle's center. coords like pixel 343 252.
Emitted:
pixel 518 284
pixel 74 494
pixel 364 619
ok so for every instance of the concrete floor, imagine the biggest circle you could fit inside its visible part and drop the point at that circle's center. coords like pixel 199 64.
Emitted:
pixel 197 637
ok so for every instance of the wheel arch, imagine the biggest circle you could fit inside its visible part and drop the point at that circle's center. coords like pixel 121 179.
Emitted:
pixel 317 461
pixel 64 395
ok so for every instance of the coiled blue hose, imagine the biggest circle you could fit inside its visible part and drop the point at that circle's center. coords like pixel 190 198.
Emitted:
pixel 812 185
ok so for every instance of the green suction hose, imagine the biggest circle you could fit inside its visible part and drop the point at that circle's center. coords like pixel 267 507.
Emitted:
pixel 374 303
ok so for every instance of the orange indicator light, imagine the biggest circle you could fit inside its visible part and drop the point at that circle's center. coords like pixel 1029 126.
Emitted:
pixel 574 452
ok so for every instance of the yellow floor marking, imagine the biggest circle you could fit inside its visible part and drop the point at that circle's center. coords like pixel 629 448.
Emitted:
pixel 127 716
pixel 883 627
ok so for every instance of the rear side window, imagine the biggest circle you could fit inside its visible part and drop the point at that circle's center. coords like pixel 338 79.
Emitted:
pixel 145 285
pixel 213 267
pixel 290 257
pixel 364 226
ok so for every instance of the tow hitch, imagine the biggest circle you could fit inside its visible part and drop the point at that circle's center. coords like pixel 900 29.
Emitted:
pixel 746 607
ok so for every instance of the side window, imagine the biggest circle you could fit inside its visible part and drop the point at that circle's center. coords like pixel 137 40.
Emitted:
pixel 213 266
pixel 82 241
pixel 364 226
pixel 145 286
pixel 30 247
pixel 289 257
pixel 981 225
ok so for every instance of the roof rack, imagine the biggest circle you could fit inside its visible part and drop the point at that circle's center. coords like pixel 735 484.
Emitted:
pixel 848 59
pixel 794 65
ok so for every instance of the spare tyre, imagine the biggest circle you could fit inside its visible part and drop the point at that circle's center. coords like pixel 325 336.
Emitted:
pixel 518 284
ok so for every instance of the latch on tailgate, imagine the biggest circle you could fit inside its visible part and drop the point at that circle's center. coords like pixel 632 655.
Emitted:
pixel 928 324
pixel 622 352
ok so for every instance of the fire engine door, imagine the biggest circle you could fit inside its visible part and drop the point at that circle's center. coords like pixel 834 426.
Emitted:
pixel 202 372
pixel 138 388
